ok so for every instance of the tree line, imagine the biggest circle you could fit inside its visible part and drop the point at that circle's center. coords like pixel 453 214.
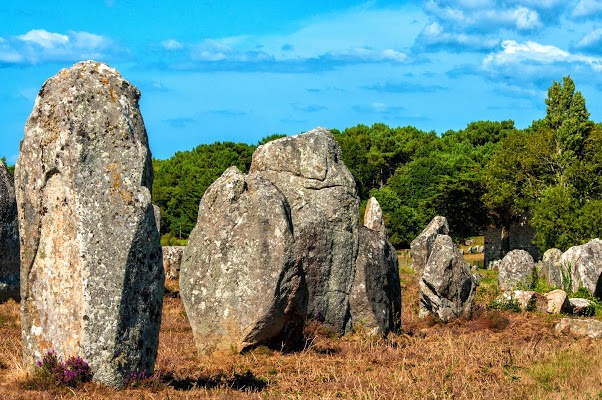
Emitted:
pixel 486 174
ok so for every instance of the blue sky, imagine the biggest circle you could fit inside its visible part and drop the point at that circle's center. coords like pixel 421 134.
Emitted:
pixel 242 70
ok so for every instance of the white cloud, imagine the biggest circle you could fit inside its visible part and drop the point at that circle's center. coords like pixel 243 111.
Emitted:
pixel 592 41
pixel 586 8
pixel 514 53
pixel 47 40
pixel 171 44
pixel 435 36
pixel 40 46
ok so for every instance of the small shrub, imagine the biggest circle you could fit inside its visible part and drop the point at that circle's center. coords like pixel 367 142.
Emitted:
pixel 51 372
pixel 505 305
pixel 142 379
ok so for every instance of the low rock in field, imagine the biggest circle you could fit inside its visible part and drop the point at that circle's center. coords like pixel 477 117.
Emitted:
pixel 515 269
pixel 558 302
pixel 527 300
pixel 580 327
pixel 582 307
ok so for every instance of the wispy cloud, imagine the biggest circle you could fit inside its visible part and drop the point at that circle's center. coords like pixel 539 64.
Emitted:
pixel 588 9
pixel 378 108
pixel 41 46
pixel 404 87
pixel 434 37
pixel 308 108
pixel 591 43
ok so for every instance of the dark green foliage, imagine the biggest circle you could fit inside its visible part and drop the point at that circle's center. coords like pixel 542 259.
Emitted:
pixel 181 181
pixel 9 168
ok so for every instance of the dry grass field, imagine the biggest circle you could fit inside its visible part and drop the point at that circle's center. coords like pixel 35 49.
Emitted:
pixel 493 355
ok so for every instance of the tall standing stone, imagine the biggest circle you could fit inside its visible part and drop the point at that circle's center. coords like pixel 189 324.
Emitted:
pixel 420 248
pixel 309 170
pixel 9 238
pixel 239 279
pixel 375 301
pixel 516 269
pixel 551 267
pixel 91 259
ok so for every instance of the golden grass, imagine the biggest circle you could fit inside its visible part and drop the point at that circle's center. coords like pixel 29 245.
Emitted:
pixel 493 355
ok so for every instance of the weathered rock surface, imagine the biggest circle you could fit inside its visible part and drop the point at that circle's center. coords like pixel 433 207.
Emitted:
pixel 447 287
pixel 515 269
pixel 550 267
pixel 420 248
pixel 580 327
pixel 239 279
pixel 583 307
pixel 9 238
pixel 157 212
pixel 373 218
pixel 308 169
pixel 91 264
pixel 585 263
pixel 558 302
pixel 172 261
pixel 375 301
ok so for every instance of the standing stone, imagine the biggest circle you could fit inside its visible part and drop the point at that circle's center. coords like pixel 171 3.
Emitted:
pixel 516 269
pixel 585 263
pixel 91 259
pixel 375 301
pixel 447 287
pixel 239 279
pixel 172 261
pixel 9 238
pixel 373 218
pixel 309 170
pixel 157 212
pixel 551 267
pixel 420 248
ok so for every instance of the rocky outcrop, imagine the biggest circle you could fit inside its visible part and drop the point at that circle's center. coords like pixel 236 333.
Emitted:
pixel 239 279
pixel 582 307
pixel 9 238
pixel 172 261
pixel 420 248
pixel 91 264
pixel 447 287
pixel 375 301
pixel 551 267
pixel 585 264
pixel 580 327
pixel 308 169
pixel 516 269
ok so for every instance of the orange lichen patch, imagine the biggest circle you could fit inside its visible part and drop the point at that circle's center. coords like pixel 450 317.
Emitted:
pixel 117 187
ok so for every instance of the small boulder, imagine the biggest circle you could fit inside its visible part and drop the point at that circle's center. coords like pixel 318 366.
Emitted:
pixel 585 264
pixel 527 300
pixel 420 248
pixel 9 238
pixel 558 302
pixel 580 327
pixel 447 287
pixel 172 260
pixel 583 307
pixel 516 269
pixel 239 280
pixel 551 267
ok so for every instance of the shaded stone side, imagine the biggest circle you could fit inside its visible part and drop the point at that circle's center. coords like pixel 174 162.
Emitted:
pixel 308 169
pixel 91 265
pixel 9 238
pixel 239 279
pixel 375 300
pixel 172 261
